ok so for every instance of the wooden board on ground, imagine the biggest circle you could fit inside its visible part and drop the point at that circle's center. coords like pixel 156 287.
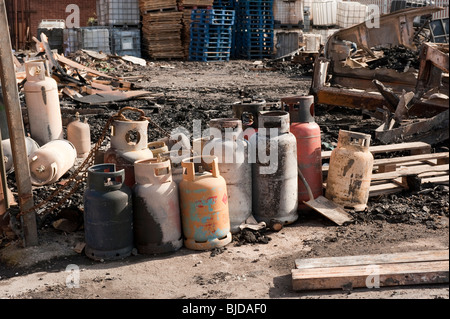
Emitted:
pixel 412 268
pixel 330 210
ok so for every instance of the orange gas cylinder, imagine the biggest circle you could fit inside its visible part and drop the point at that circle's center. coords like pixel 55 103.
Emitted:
pixel 204 204
pixel 309 154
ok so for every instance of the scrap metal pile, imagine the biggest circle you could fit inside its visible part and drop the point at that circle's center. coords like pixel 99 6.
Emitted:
pixel 391 75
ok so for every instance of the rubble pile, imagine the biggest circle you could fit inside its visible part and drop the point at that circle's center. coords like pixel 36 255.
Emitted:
pixel 398 58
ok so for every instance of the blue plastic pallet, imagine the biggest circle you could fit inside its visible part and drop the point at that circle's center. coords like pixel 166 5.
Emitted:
pixel 212 16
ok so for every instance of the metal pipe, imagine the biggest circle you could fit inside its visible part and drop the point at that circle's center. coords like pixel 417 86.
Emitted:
pixel 16 132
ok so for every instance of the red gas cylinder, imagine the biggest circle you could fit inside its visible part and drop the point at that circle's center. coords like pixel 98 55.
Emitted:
pixel 309 154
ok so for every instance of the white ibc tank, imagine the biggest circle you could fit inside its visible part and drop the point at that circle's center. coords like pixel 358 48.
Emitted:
pixel 324 12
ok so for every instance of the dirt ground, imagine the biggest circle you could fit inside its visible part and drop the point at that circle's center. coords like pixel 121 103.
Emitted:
pixel 260 270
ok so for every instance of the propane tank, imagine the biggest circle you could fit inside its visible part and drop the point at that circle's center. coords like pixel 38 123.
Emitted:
pixel 228 144
pixel 175 158
pixel 30 145
pixel 79 134
pixel 204 204
pixel 156 210
pixel 309 150
pixel 50 162
pixel 41 96
pixel 108 214
pixel 350 171
pixel 247 111
pixel 275 181
pixel 157 148
pixel 129 143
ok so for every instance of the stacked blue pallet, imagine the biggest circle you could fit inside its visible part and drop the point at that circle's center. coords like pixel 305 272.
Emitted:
pixel 254 29
pixel 211 35
pixel 228 5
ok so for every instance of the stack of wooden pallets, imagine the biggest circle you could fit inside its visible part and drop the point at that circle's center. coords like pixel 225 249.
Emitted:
pixel 161 29
pixel 157 5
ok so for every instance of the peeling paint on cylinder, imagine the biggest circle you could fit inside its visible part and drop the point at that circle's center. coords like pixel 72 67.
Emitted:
pixel 204 204
pixel 275 194
pixel 129 143
pixel 350 172
pixel 156 209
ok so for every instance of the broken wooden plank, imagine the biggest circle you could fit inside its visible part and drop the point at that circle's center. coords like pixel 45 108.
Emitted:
pixel 80 67
pixel 370 276
pixel 330 210
pixel 414 147
pixel 414 170
pixel 401 257
pixel 110 96
pixel 411 158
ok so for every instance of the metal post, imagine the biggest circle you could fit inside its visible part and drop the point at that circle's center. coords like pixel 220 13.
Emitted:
pixel 16 131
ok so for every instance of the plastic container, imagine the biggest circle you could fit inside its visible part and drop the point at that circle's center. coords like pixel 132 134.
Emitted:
pixel 118 12
pixel 350 13
pixel 324 12
pixel 126 41
pixel 288 12
pixel 94 39
pixel 54 30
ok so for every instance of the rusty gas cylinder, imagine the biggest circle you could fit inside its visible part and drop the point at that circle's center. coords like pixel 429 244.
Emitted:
pixel 275 181
pixel 51 161
pixel 247 111
pixel 79 134
pixel 204 204
pixel 156 209
pixel 129 143
pixel 350 171
pixel 309 149
pixel 108 214
pixel 228 144
pixel 42 100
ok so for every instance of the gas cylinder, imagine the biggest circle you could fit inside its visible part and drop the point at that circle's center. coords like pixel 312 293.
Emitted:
pixel 175 157
pixel 79 134
pixel 50 162
pixel 204 204
pixel 156 210
pixel 309 150
pixel 108 214
pixel 350 171
pixel 129 143
pixel 247 111
pixel 42 100
pixel 157 147
pixel 275 181
pixel 30 145
pixel 228 144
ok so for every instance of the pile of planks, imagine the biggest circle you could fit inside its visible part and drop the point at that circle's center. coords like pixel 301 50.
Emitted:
pixel 146 6
pixel 195 3
pixel 371 271
pixel 186 31
pixel 161 35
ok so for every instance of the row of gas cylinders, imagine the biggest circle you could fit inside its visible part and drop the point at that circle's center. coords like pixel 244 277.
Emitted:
pixel 158 203
pixel 50 155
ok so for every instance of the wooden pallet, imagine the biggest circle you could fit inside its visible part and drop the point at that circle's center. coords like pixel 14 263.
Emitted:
pixel 371 271
pixel 390 174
